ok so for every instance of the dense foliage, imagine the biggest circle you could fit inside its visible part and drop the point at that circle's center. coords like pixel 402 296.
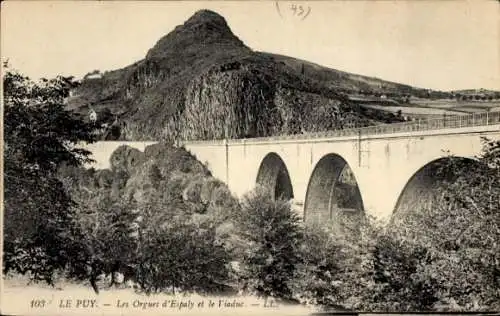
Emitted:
pixel 441 256
pixel 460 233
pixel 271 235
pixel 157 217
pixel 39 137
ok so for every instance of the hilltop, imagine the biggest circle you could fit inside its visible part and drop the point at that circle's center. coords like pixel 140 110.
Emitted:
pixel 200 81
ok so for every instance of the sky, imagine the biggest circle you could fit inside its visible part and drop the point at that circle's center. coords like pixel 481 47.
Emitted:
pixel 443 45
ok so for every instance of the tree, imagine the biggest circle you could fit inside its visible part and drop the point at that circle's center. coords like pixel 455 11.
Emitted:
pixel 40 135
pixel 272 236
pixel 460 232
pixel 104 233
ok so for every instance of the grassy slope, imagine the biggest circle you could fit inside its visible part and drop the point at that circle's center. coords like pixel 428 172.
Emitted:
pixel 341 80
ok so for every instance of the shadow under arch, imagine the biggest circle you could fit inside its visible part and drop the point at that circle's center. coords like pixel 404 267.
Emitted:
pixel 273 174
pixel 424 184
pixel 332 187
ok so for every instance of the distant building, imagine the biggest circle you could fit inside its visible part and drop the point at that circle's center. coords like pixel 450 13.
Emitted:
pixel 93 76
pixel 71 94
pixel 96 74
pixel 92 116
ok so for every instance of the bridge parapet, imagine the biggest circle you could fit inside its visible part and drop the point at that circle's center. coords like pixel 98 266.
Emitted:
pixel 214 142
pixel 448 122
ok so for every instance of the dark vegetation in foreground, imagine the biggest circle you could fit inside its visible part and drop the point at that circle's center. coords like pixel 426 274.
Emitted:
pixel 159 218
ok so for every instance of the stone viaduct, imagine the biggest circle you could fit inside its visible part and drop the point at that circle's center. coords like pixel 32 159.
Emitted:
pixel 376 167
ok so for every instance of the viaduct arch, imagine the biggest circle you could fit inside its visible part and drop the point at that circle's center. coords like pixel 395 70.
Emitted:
pixel 274 175
pixel 332 187
pixel 424 184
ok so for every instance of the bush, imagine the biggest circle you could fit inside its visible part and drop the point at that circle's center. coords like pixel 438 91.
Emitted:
pixel 271 235
pixel 102 238
pixel 180 256
pixel 335 262
pixel 316 278
pixel 394 275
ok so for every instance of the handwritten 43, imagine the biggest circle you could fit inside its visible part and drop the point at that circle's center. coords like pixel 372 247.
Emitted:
pixel 300 10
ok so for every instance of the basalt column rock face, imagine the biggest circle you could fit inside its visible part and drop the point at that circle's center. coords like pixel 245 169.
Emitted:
pixel 232 103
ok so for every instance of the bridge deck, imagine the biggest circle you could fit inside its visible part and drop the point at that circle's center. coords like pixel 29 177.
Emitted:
pixel 447 122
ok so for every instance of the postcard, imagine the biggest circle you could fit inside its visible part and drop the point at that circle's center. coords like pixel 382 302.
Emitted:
pixel 250 157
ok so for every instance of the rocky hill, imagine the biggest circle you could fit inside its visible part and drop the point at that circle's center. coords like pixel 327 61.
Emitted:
pixel 200 81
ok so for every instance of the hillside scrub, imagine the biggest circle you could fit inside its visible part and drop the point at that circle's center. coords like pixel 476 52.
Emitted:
pixel 333 258
pixel 462 233
pixel 102 235
pixel 443 256
pixel 157 216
